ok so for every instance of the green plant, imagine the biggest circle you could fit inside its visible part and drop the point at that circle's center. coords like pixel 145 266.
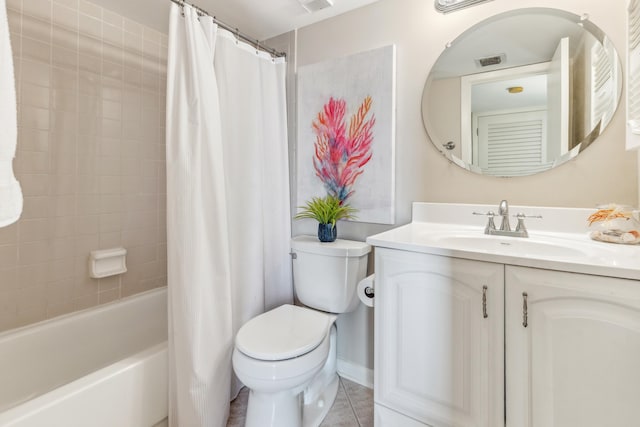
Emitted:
pixel 326 210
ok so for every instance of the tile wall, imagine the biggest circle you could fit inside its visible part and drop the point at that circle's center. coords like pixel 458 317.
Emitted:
pixel 91 97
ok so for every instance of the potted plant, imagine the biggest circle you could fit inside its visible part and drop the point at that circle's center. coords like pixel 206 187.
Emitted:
pixel 326 210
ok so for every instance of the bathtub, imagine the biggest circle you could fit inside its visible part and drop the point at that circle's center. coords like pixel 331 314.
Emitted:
pixel 102 367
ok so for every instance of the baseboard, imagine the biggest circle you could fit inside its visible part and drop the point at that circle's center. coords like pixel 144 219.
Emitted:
pixel 163 423
pixel 356 373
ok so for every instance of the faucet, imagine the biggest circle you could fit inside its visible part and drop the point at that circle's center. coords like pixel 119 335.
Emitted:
pixel 505 227
pixel 503 211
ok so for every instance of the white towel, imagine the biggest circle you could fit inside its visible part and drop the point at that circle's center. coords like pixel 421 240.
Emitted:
pixel 10 192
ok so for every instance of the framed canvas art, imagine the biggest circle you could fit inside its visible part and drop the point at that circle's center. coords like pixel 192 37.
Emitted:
pixel 346 133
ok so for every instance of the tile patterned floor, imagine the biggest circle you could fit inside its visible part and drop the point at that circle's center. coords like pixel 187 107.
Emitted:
pixel 353 407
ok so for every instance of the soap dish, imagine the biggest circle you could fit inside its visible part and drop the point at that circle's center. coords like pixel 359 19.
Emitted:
pixel 107 262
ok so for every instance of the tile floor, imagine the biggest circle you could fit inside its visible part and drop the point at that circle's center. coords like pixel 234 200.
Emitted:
pixel 353 407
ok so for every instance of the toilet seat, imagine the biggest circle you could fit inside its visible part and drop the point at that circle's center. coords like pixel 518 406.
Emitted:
pixel 283 333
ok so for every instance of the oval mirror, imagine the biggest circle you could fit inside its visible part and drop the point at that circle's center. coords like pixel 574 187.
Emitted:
pixel 522 92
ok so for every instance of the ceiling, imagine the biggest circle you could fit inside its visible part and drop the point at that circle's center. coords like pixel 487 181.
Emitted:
pixel 260 19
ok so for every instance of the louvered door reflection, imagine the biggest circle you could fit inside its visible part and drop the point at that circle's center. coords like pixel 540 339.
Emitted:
pixel 633 75
pixel 603 102
pixel 513 144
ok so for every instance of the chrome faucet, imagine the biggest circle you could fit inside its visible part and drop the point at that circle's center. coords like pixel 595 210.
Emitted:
pixel 503 211
pixel 505 227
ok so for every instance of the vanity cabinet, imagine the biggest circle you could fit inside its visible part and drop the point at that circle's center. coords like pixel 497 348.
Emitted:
pixel 438 341
pixel 450 333
pixel 577 361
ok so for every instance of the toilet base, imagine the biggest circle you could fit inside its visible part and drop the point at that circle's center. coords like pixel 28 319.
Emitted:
pixel 315 411
pixel 321 392
pixel 286 409
pixel 282 409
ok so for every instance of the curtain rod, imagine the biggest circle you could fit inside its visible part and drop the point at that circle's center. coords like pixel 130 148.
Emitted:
pixel 235 31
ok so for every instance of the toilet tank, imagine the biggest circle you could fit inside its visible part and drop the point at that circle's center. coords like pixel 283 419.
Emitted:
pixel 325 275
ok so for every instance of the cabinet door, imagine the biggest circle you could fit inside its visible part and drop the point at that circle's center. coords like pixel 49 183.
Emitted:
pixel 577 361
pixel 439 359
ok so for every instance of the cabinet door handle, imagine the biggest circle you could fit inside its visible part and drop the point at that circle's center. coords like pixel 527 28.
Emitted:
pixel 484 301
pixel 525 310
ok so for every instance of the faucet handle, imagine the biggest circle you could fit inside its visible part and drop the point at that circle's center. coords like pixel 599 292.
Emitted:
pixel 520 228
pixel 490 214
pixel 523 216
pixel 491 226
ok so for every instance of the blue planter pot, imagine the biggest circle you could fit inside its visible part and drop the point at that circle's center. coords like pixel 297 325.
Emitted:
pixel 327 232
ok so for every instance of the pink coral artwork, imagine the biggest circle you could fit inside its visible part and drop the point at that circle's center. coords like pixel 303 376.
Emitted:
pixel 346 133
pixel 341 153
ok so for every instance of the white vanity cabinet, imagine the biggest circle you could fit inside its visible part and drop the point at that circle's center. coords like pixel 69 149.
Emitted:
pixel 566 345
pixel 438 341
pixel 577 361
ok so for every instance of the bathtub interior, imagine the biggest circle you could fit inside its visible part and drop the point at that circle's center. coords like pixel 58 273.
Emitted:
pixel 42 357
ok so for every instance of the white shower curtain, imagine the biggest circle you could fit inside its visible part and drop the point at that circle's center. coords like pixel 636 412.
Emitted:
pixel 228 207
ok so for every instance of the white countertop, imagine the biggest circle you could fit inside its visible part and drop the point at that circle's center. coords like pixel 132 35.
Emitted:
pixel 452 230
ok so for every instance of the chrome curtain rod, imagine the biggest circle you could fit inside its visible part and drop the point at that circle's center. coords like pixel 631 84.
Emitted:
pixel 235 31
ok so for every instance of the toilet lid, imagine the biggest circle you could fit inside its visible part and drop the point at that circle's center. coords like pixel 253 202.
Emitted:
pixel 283 333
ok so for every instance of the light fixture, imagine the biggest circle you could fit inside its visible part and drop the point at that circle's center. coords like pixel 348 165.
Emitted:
pixel 446 6
pixel 515 89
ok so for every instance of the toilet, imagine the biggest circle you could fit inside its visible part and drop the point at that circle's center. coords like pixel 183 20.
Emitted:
pixel 287 356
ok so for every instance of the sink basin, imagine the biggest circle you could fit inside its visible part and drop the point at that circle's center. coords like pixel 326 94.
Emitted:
pixel 525 247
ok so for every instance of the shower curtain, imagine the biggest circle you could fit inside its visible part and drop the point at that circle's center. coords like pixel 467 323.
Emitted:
pixel 228 212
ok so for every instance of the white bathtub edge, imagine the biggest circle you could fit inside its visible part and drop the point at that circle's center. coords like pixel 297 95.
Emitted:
pixel 73 316
pixel 151 390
